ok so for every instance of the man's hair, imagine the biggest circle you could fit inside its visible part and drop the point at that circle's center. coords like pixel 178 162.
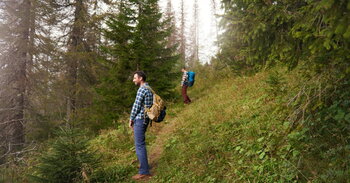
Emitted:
pixel 184 68
pixel 141 74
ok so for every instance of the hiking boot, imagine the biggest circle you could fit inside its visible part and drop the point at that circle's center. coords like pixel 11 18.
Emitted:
pixel 141 176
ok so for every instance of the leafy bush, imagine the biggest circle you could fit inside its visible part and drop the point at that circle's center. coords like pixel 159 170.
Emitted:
pixel 322 110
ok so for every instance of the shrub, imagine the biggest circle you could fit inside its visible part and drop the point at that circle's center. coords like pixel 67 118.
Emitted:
pixel 67 159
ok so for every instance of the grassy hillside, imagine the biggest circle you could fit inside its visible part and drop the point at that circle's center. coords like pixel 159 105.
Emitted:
pixel 238 129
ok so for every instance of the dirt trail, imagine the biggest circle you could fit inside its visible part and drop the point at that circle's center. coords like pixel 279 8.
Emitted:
pixel 156 149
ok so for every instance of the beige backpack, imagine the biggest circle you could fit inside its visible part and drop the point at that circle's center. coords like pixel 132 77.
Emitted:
pixel 158 110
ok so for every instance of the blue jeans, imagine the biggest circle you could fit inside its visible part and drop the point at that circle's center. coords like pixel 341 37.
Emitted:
pixel 140 145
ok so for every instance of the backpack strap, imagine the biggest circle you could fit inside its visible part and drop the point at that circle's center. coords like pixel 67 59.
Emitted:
pixel 150 89
pixel 150 121
pixel 145 105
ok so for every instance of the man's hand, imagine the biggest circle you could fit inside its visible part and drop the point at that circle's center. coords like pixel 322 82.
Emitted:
pixel 131 124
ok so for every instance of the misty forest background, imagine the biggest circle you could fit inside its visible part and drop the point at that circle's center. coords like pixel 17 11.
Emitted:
pixel 66 72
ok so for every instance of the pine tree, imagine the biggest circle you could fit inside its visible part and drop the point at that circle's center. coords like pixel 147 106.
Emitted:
pixel 173 39
pixel 195 39
pixel 214 10
pixel 79 42
pixel 139 41
pixel 14 65
pixel 42 105
pixel 182 34
pixel 116 90
pixel 68 159
pixel 150 47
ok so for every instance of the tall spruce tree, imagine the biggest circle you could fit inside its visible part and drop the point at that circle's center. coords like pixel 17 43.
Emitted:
pixel 173 39
pixel 115 87
pixel 182 34
pixel 42 72
pixel 14 62
pixel 138 39
pixel 79 24
pixel 150 47
pixel 195 39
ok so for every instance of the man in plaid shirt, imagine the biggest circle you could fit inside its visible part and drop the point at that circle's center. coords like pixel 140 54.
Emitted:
pixel 139 122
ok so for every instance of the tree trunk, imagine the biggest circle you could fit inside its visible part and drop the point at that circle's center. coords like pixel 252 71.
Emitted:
pixel 15 82
pixel 17 127
pixel 214 7
pixel 195 41
pixel 75 46
pixel 196 45
pixel 169 14
pixel 182 33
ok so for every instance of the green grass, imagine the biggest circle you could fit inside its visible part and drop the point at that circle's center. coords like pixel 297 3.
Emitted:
pixel 230 134
pixel 234 131
pixel 238 129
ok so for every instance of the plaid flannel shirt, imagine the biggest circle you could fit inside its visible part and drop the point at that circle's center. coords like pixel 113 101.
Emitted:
pixel 144 97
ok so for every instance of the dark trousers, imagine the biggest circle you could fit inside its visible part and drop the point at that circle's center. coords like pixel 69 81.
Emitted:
pixel 184 94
